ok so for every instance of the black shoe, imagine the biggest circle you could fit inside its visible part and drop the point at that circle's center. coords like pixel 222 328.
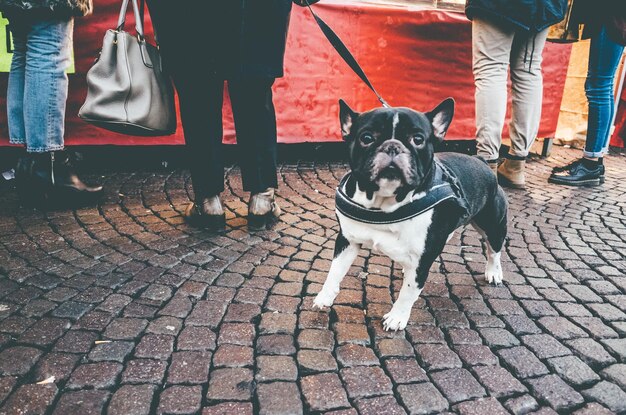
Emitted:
pixel 50 179
pixel 575 163
pixel 581 172
pixel 207 214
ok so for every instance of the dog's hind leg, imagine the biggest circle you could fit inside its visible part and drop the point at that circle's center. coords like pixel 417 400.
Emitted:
pixel 491 223
pixel 345 254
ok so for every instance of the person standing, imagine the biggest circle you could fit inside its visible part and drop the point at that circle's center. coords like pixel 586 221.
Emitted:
pixel 36 97
pixel 509 34
pixel 605 25
pixel 242 42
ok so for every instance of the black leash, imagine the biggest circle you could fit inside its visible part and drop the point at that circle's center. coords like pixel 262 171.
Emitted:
pixel 343 51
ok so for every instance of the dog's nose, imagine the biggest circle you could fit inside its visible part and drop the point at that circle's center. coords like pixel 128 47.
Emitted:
pixel 392 147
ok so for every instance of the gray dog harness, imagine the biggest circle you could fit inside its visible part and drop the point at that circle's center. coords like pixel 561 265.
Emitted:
pixel 443 187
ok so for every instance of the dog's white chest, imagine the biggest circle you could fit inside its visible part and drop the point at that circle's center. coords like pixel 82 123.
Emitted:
pixel 403 242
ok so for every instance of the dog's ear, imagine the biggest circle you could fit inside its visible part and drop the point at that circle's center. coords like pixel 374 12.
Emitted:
pixel 346 118
pixel 441 117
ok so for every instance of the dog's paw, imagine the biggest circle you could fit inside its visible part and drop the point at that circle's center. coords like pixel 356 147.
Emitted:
pixel 395 320
pixel 493 274
pixel 323 299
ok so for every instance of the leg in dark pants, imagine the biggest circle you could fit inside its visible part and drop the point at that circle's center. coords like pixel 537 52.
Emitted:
pixel 201 111
pixel 255 123
pixel 191 53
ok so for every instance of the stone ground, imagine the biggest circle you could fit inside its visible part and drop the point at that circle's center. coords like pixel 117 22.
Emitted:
pixel 134 312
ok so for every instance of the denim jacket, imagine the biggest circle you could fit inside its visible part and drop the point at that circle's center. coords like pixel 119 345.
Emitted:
pixel 530 15
pixel 54 8
pixel 598 13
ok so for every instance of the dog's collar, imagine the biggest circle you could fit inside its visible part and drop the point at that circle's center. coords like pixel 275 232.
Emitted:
pixel 439 191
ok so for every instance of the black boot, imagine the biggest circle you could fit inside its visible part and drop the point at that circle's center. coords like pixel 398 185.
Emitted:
pixel 50 178
pixel 581 172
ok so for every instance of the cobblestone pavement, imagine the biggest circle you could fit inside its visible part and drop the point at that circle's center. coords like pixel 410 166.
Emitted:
pixel 134 312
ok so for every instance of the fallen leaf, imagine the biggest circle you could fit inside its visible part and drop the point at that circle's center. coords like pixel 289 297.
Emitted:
pixel 51 379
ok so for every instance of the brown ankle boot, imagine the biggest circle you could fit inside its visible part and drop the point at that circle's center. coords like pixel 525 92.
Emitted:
pixel 493 165
pixel 511 174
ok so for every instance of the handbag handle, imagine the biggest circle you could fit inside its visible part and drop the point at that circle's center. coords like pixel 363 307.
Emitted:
pixel 145 56
pixel 138 18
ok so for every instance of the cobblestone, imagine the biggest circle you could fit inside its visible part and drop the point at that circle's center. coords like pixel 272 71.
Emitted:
pixel 608 394
pixel 324 392
pixel 458 385
pixel 559 395
pixel 279 398
pixel 134 312
pixel 365 381
pixel 422 398
pixel 180 400
pixel 132 400
pixel 87 402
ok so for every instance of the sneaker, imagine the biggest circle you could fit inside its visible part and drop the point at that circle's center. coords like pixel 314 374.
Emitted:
pixel 575 163
pixel 578 173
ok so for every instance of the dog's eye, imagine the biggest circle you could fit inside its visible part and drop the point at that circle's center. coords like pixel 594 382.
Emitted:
pixel 418 140
pixel 367 139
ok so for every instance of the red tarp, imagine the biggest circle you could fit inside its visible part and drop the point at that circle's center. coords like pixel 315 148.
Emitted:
pixel 415 57
pixel 619 137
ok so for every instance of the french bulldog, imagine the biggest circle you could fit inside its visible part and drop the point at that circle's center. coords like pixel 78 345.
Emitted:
pixel 393 168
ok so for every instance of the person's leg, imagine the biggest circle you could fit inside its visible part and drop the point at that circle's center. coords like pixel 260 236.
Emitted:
pixel 48 56
pixel 491 48
pixel 255 122
pixel 526 91
pixel 15 90
pixel 604 58
pixel 47 175
pixel 200 96
pixel 200 90
pixel 201 99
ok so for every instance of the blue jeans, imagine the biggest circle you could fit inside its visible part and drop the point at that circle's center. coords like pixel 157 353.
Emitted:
pixel 37 91
pixel 604 57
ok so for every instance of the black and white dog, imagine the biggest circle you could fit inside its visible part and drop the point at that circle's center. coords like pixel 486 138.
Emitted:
pixel 402 200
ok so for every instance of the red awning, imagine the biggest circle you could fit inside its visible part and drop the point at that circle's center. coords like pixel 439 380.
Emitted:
pixel 414 56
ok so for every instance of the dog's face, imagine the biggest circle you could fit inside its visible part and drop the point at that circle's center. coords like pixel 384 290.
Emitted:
pixel 391 149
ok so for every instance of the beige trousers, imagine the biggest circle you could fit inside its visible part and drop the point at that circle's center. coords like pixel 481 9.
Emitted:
pixel 495 49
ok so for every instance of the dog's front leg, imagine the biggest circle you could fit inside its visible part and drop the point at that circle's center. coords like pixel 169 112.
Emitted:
pixel 345 254
pixel 398 317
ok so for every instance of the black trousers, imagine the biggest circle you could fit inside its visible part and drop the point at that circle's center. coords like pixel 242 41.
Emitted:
pixel 201 100
pixel 194 56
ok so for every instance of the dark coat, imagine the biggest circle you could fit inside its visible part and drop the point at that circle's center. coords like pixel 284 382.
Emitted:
pixel 597 13
pixel 233 38
pixel 53 8
pixel 530 15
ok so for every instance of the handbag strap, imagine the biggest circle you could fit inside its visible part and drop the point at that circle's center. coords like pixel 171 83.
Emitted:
pixel 121 21
pixel 344 52
pixel 142 9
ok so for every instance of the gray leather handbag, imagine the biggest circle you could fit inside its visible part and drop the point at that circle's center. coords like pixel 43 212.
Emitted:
pixel 127 90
